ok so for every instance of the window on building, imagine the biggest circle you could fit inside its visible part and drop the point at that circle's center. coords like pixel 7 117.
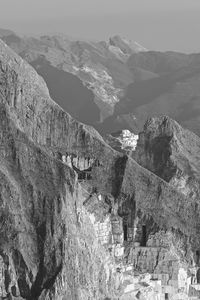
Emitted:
pixel 166 296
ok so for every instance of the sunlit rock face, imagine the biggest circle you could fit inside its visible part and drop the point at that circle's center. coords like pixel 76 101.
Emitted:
pixel 123 141
pixel 82 218
pixel 128 139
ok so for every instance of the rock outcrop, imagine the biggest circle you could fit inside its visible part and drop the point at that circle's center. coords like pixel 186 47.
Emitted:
pixel 172 153
pixel 123 141
pixel 73 209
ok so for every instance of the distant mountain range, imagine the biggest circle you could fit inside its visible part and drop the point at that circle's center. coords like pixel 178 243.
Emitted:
pixel 114 85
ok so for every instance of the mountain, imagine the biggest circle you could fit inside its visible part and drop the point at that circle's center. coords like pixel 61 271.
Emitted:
pixel 175 92
pixel 46 250
pixel 172 153
pixel 126 47
pixel 100 69
pixel 121 82
pixel 100 66
pixel 80 220
pixel 9 36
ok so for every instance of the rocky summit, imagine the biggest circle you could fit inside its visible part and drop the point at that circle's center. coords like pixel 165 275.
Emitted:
pixel 82 221
pixel 172 153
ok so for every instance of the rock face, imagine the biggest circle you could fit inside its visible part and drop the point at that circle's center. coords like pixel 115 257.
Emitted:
pixel 43 236
pixel 47 243
pixel 172 153
pixel 74 212
pixel 123 141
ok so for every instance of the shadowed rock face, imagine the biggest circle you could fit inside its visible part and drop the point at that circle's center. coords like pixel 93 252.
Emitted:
pixel 172 153
pixel 48 248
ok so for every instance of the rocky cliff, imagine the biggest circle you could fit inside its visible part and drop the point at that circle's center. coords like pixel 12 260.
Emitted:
pixel 172 153
pixel 71 206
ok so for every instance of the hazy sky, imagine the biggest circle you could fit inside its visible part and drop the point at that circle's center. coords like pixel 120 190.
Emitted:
pixel 156 24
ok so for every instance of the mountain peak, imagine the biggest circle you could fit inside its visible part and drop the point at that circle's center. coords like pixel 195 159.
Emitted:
pixel 162 123
pixel 126 46
pixel 172 153
pixel 6 32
